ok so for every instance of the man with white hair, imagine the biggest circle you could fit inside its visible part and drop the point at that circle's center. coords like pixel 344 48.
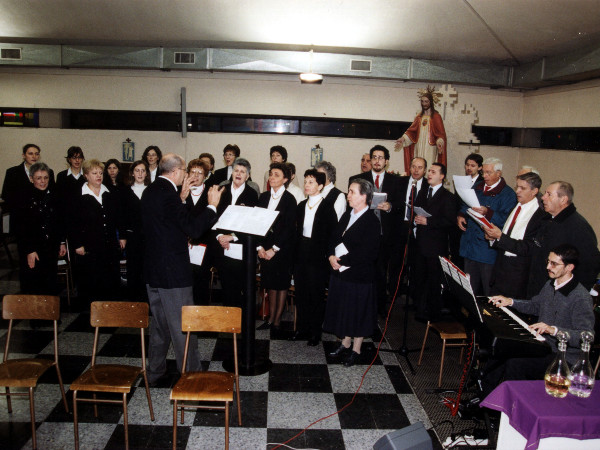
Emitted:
pixel 496 201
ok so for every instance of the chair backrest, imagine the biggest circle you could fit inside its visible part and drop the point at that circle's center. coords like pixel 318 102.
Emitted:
pixel 219 319
pixel 45 307
pixel 119 314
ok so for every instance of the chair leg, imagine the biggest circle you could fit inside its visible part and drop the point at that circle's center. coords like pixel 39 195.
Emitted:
pixel 442 362
pixel 149 398
pixel 95 406
pixel 226 425
pixel 32 414
pixel 423 346
pixel 75 427
pixel 68 288
pixel 8 401
pixel 125 424
pixel 182 406
pixel 174 424
pixel 62 388
pixel 239 407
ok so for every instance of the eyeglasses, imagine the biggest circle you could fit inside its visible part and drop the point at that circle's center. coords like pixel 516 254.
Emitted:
pixel 554 263
pixel 196 172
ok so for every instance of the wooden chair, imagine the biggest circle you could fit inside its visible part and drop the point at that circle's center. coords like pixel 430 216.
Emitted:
pixel 65 269
pixel 25 373
pixel 208 386
pixel 112 378
pixel 448 331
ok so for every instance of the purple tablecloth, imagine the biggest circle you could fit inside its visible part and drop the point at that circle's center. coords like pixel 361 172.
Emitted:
pixel 537 415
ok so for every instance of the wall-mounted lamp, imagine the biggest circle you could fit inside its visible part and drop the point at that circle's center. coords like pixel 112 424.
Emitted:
pixel 310 77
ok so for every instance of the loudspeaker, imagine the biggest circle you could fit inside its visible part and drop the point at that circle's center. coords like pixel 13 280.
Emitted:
pixel 413 437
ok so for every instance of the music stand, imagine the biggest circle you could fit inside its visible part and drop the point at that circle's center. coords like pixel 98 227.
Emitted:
pixel 248 223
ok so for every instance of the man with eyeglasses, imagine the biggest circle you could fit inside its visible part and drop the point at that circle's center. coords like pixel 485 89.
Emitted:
pixel 564 225
pixel 563 304
pixel 168 224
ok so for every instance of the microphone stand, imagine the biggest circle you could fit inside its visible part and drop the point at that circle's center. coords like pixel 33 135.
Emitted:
pixel 404 350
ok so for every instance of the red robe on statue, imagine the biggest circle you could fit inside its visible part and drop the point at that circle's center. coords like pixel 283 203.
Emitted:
pixel 437 131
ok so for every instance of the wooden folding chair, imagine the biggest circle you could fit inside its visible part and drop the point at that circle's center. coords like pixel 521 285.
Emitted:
pixel 448 331
pixel 112 378
pixel 25 373
pixel 208 386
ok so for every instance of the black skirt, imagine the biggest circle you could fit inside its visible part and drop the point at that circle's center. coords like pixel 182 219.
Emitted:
pixel 276 273
pixel 351 308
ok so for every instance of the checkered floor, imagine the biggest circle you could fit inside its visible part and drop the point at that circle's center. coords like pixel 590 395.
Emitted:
pixel 304 385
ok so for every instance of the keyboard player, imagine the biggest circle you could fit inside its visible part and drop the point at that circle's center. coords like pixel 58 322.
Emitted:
pixel 562 304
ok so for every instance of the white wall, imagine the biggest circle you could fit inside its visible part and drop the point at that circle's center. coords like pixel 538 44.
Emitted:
pixel 574 105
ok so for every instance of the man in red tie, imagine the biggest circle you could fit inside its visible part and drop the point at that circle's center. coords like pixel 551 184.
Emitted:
pixel 496 200
pixel 516 240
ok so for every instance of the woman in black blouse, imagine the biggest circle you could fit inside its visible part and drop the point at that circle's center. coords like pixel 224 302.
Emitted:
pixel 232 270
pixel 94 236
pixel 131 199
pixel 315 221
pixel 40 234
pixel 351 304
pixel 152 156
pixel 112 175
pixel 276 249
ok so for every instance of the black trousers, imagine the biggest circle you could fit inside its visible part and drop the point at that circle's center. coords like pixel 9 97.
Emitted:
pixel 427 279
pixel 310 281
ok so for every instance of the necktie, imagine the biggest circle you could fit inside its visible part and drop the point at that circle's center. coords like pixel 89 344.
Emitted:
pixel 486 188
pixel 429 193
pixel 377 181
pixel 514 219
pixel 413 191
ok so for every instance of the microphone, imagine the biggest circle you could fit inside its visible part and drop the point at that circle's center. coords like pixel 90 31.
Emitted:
pixel 414 182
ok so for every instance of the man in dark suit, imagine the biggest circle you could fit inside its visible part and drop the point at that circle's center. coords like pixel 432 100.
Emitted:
pixel 431 243
pixel 167 226
pixel 230 153
pixel 516 240
pixel 388 184
pixel 409 188
pixel 17 181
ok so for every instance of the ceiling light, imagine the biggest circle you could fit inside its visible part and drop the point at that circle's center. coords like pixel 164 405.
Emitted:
pixel 310 77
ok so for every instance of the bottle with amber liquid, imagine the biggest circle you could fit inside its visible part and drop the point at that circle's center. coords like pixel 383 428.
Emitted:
pixel 582 375
pixel 558 373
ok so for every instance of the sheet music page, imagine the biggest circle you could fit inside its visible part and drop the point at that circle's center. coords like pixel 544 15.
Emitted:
pixel 378 198
pixel 468 196
pixel 462 181
pixel 197 253
pixel 340 251
pixel 235 251
pixel 246 220
pixel 479 218
pixel 421 212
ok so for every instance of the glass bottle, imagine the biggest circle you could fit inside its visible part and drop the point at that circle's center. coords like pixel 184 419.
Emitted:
pixel 582 375
pixel 557 375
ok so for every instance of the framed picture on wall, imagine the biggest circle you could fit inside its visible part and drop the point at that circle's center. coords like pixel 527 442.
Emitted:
pixel 316 155
pixel 128 151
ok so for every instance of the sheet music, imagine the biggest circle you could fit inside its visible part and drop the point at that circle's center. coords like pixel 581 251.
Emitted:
pixel 340 251
pixel 468 196
pixel 246 220
pixel 421 212
pixel 378 198
pixel 197 253
pixel 235 251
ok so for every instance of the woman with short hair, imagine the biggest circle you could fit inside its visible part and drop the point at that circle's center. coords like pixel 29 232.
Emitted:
pixel 351 304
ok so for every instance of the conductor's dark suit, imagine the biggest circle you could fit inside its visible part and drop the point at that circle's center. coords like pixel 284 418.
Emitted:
pixel 167 225
pixel 511 273
pixel 431 243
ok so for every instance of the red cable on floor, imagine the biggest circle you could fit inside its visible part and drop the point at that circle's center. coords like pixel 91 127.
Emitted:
pixel 374 358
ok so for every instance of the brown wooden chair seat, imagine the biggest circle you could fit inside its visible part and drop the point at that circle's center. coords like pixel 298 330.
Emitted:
pixel 208 386
pixel 112 378
pixel 25 372
pixel 448 331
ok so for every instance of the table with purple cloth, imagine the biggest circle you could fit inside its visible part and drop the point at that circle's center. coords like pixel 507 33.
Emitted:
pixel 537 415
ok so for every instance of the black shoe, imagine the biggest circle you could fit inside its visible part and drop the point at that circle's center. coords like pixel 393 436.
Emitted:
pixel 341 351
pixel 265 326
pixel 352 359
pixel 164 381
pixel 313 341
pixel 299 336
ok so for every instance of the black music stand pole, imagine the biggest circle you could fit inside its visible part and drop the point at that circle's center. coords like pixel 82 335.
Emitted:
pixel 249 363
